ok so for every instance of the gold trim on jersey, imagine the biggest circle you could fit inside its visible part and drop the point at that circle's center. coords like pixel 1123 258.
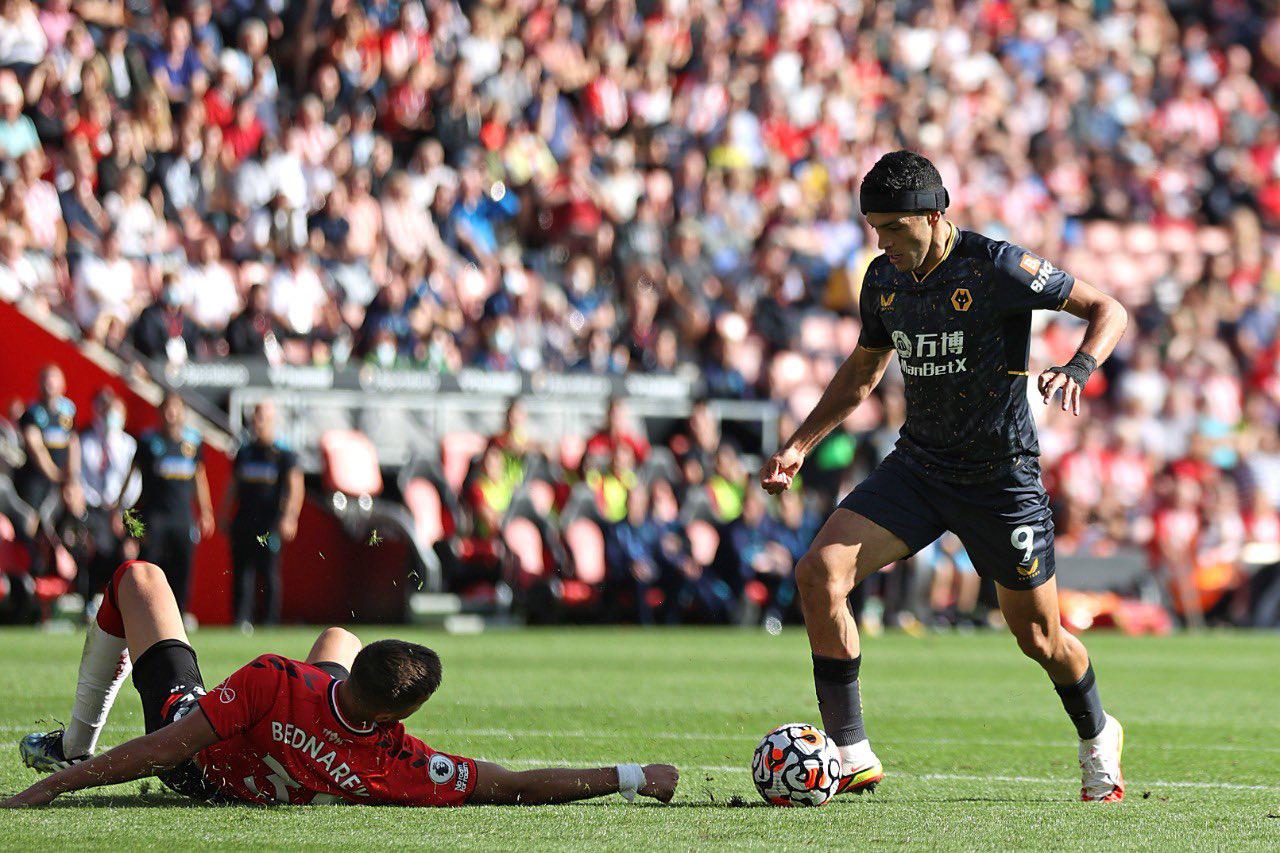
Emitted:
pixel 1019 373
pixel 952 239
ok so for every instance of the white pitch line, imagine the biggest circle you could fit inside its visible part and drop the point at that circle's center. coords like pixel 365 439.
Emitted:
pixel 710 736
pixel 955 777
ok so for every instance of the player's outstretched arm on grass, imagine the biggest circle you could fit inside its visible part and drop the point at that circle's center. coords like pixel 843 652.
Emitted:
pixel 161 750
pixel 496 785
pixel 860 373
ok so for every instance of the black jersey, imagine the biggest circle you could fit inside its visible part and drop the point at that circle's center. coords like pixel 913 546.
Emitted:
pixel 56 422
pixel 261 472
pixel 963 336
pixel 168 471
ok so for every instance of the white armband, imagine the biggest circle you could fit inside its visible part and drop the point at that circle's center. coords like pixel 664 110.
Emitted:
pixel 630 778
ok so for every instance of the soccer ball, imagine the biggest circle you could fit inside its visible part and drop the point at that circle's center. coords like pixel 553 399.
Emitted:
pixel 796 765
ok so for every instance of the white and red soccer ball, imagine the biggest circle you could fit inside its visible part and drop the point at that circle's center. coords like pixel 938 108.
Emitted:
pixel 796 765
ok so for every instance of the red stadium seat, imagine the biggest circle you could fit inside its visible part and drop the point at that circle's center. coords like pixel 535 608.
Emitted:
pixel 525 542
pixel 703 542
pixel 423 500
pixel 584 539
pixel 457 449
pixel 350 463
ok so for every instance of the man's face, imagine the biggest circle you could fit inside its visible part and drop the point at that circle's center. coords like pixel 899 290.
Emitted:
pixel 264 422
pixel 52 384
pixel 904 237
pixel 174 412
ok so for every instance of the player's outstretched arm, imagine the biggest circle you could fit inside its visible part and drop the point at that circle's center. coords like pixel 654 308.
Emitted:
pixel 496 785
pixel 161 750
pixel 860 373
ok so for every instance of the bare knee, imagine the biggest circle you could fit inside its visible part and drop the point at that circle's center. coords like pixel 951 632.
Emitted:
pixel 334 634
pixel 1039 642
pixel 819 580
pixel 335 644
pixel 141 577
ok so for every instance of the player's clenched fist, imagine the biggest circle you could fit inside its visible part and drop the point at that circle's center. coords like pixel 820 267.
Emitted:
pixel 660 782
pixel 780 470
pixel 1070 379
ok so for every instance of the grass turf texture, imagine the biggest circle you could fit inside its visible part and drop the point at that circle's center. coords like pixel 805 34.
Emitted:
pixel 978 752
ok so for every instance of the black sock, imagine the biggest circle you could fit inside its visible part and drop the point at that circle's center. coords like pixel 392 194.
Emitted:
pixel 1083 704
pixel 839 702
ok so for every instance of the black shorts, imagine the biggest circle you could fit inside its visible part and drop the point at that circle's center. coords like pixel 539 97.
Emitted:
pixel 1005 524
pixel 167 677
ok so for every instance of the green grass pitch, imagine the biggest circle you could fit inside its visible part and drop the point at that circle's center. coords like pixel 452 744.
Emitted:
pixel 978 752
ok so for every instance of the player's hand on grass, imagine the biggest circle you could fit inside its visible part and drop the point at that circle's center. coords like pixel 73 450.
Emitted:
pixel 1053 381
pixel 660 782
pixel 780 470
pixel 33 796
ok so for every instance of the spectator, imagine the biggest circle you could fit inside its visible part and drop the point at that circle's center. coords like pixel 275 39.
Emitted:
pixel 635 561
pixel 163 330
pixel 617 431
pixel 254 331
pixel 106 291
pixel 17 131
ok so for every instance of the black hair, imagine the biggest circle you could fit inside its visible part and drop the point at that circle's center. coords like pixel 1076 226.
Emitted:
pixel 390 675
pixel 901 170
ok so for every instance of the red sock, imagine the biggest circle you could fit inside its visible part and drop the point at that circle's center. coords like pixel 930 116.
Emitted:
pixel 109 618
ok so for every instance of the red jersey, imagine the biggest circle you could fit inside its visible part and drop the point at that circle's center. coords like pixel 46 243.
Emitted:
pixel 282 739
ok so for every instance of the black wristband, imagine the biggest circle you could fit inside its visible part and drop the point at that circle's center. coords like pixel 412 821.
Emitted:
pixel 1079 368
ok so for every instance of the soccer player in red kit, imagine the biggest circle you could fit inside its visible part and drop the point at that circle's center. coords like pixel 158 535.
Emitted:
pixel 324 730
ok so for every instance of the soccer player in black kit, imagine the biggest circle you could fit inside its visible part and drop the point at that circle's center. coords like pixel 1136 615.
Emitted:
pixel 956 308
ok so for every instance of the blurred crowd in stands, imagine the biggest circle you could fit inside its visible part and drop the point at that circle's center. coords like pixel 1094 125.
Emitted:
pixel 668 186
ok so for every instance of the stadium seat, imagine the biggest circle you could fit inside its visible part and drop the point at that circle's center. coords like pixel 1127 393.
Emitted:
pixel 424 503
pixel 703 542
pixel 584 540
pixel 350 463
pixel 524 541
pixel 457 449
